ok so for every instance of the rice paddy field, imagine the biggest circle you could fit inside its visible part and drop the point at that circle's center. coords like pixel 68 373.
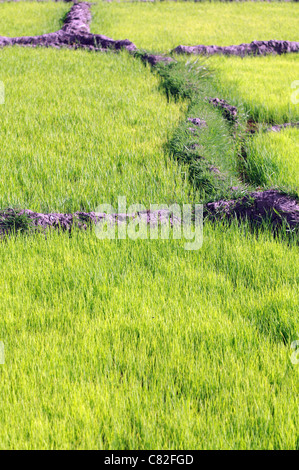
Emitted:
pixel 106 124
pixel 123 344
pixel 161 26
pixel 142 345
pixel 263 85
pixel 31 18
pixel 273 159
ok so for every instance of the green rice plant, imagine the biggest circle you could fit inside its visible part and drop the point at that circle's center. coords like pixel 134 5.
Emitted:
pixel 123 344
pixel 161 26
pixel 79 129
pixel 263 85
pixel 31 18
pixel 272 159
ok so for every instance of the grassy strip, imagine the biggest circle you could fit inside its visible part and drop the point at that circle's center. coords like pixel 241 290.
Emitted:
pixel 210 152
pixel 31 18
pixel 163 26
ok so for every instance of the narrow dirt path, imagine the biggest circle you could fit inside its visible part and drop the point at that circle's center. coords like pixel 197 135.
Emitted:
pixel 255 48
pixel 256 207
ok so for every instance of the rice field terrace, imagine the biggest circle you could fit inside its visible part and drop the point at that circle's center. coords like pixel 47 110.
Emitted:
pixel 141 342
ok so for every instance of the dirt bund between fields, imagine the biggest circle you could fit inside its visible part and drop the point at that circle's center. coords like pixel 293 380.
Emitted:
pixel 10 219
pixel 272 206
pixel 74 34
pixel 255 48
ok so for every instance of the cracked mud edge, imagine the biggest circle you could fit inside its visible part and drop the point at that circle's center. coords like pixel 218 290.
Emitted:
pixel 153 59
pixel 271 205
pixel 74 34
pixel 83 220
pixel 255 48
